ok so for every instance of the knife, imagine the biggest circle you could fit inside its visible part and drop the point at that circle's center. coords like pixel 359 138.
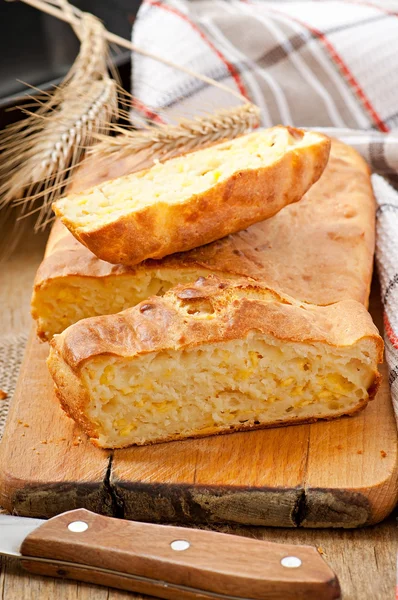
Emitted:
pixel 169 562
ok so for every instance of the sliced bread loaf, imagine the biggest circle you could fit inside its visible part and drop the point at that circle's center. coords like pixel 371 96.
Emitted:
pixel 197 198
pixel 319 251
pixel 214 357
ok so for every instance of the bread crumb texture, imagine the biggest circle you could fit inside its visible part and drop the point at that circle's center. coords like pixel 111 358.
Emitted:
pixel 176 180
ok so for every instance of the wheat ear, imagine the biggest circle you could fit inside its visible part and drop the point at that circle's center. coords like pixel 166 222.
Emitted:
pixel 164 141
pixel 40 152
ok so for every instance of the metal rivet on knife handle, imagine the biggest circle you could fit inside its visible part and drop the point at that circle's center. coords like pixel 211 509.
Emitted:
pixel 78 526
pixel 180 545
pixel 291 562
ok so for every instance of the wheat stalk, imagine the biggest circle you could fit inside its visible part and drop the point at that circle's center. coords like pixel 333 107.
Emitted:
pixel 40 152
pixel 164 141
pixel 73 16
pixel 60 150
pixel 91 62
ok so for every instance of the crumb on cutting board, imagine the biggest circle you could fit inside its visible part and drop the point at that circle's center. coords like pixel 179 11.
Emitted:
pixel 383 454
pixel 3 395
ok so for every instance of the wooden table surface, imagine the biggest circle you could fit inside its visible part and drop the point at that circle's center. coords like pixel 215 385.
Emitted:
pixel 364 559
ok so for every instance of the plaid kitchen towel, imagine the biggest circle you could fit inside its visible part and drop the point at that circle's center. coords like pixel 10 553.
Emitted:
pixel 330 65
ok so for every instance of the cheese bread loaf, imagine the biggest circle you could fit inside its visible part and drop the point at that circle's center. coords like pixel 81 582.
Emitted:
pixel 197 198
pixel 320 251
pixel 214 357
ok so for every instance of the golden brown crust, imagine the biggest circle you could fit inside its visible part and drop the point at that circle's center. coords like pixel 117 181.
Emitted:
pixel 75 411
pixel 69 387
pixel 321 253
pixel 247 197
pixel 227 310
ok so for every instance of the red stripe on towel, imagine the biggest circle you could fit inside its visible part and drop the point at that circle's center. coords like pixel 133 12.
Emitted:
pixel 150 114
pixel 343 68
pixel 392 336
pixel 231 68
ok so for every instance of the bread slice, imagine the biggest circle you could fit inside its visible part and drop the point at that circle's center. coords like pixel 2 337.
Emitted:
pixel 320 251
pixel 214 357
pixel 194 199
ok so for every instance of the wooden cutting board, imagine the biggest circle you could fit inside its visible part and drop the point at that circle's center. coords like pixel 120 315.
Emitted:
pixel 328 474
pixel 341 473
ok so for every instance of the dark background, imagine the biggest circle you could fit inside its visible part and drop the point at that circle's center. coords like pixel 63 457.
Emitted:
pixel 39 49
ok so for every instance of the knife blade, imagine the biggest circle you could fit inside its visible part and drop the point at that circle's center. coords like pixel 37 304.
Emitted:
pixel 166 561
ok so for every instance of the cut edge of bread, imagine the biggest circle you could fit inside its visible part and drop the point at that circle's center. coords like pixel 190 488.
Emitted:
pixel 96 440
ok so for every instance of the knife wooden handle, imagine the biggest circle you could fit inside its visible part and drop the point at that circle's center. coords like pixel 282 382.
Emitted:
pixel 174 562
